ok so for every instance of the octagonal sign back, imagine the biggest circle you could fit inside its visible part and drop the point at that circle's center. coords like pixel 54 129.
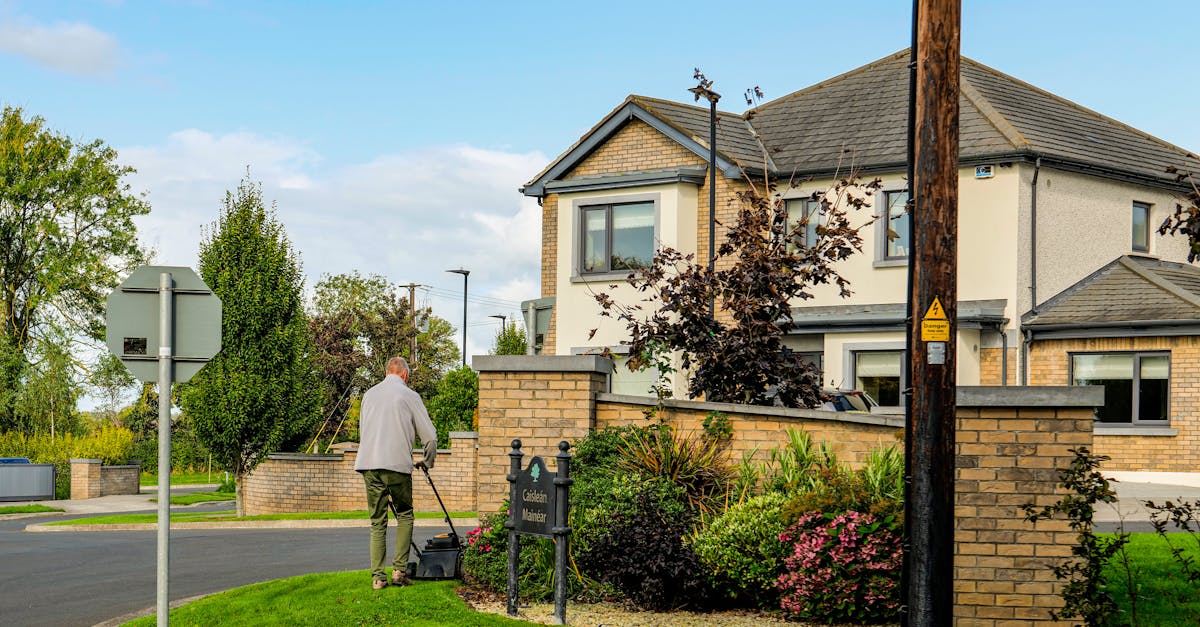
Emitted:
pixel 133 323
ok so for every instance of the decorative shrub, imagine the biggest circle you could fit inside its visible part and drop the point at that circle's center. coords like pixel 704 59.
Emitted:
pixel 485 562
pixel 843 568
pixel 741 551
pixel 640 552
pixel 453 407
pixel 793 466
pixel 696 463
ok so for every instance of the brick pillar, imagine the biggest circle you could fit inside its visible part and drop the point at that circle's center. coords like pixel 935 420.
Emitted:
pixel 86 479
pixel 540 399
pixel 1012 444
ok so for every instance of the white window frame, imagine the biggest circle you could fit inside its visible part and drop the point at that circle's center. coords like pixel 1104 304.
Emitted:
pixel 850 350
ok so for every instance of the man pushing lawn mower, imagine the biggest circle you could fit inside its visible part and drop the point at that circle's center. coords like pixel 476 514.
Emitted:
pixel 391 417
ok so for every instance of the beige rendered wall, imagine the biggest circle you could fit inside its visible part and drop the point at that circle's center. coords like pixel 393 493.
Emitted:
pixel 1085 222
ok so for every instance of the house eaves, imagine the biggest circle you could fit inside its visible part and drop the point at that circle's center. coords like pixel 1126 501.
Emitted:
pixel 631 109
pixel 972 314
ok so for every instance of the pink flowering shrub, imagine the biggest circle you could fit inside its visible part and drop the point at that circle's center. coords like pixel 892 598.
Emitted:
pixel 842 568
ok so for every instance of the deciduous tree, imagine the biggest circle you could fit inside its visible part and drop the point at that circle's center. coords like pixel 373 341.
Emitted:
pixel 67 236
pixel 511 340
pixel 762 268
pixel 261 389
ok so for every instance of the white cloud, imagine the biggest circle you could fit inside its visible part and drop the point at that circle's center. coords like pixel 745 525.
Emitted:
pixel 72 47
pixel 408 215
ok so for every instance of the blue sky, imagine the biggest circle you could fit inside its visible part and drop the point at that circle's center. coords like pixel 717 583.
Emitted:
pixel 394 136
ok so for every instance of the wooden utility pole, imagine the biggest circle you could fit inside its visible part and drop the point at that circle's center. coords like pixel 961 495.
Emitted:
pixel 412 317
pixel 933 298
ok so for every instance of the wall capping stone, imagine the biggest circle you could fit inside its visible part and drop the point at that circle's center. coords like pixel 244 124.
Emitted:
pixel 782 412
pixel 81 460
pixel 542 363
pixel 1030 396
pixel 316 457
pixel 470 435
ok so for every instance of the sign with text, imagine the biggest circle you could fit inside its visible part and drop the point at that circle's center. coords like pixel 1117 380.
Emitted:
pixel 533 509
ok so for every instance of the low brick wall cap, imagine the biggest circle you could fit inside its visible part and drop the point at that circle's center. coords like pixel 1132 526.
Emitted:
pixel 883 420
pixel 1030 396
pixel 541 363
pixel 466 435
pixel 316 457
pixel 83 460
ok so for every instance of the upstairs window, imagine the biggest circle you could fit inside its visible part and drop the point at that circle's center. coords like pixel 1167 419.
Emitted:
pixel 1136 385
pixel 806 212
pixel 617 237
pixel 896 223
pixel 1141 227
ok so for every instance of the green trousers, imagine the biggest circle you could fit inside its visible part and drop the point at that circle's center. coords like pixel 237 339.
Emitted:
pixel 384 486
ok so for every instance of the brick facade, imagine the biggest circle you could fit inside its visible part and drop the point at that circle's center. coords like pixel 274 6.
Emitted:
pixel 297 482
pixel 635 148
pixel 1173 449
pixel 991 366
pixel 91 479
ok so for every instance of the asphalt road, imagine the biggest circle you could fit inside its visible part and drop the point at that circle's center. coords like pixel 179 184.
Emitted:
pixel 67 579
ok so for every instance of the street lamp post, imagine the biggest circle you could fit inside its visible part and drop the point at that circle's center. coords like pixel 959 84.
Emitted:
pixel 465 274
pixel 503 320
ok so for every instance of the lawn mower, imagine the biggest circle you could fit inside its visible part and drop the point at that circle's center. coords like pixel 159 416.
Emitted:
pixel 442 556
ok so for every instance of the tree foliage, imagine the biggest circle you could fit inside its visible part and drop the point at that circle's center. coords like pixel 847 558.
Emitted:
pixel 114 382
pixel 358 324
pixel 453 407
pixel 260 391
pixel 1185 222
pixel 46 402
pixel 762 267
pixel 66 237
pixel 511 340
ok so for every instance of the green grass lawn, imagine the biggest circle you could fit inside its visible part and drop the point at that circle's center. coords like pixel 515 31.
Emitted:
pixel 333 599
pixel 1165 598
pixel 184 478
pixel 199 497
pixel 27 509
pixel 228 515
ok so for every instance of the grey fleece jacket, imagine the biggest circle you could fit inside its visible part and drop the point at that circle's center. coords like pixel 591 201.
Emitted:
pixel 392 414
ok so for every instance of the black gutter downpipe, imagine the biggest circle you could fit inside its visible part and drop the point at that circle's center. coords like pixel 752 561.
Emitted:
pixel 1033 300
pixel 1003 353
pixel 909 519
pixel 712 195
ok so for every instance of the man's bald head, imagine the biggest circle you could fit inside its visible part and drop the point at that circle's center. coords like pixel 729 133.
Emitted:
pixel 397 366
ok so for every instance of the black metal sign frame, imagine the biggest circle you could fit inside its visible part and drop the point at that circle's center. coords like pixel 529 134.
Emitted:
pixel 538 505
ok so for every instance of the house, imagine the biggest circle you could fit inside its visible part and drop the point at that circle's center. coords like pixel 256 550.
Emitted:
pixel 1062 277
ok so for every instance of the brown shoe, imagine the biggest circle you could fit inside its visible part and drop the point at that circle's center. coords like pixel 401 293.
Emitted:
pixel 399 578
pixel 379 584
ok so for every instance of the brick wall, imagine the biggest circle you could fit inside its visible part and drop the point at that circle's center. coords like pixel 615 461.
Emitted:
pixel 760 429
pixel 636 147
pixel 550 265
pixel 541 400
pixel 298 482
pixel 85 479
pixel 120 479
pixel 90 479
pixel 990 366
pixel 1173 449
pixel 1012 442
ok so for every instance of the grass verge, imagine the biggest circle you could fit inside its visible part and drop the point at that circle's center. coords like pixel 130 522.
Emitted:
pixel 228 515
pixel 199 497
pixel 1165 598
pixel 183 478
pixel 333 599
pixel 27 509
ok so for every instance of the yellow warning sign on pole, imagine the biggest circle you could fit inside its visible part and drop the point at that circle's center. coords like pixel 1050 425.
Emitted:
pixel 935 311
pixel 934 325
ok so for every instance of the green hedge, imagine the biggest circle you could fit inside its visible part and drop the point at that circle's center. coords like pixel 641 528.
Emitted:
pixel 111 445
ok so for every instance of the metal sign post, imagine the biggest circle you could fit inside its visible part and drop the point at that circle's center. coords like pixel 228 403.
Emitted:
pixel 161 343
pixel 166 316
pixel 539 505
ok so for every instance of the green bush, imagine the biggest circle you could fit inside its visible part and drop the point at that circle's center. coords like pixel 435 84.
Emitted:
pixel 741 551
pixel 111 445
pixel 695 463
pixel 453 407
pixel 639 550
pixel 485 561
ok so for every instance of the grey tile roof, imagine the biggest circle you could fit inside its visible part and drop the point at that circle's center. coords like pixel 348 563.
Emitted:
pixel 858 119
pixel 1128 289
pixel 734 137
